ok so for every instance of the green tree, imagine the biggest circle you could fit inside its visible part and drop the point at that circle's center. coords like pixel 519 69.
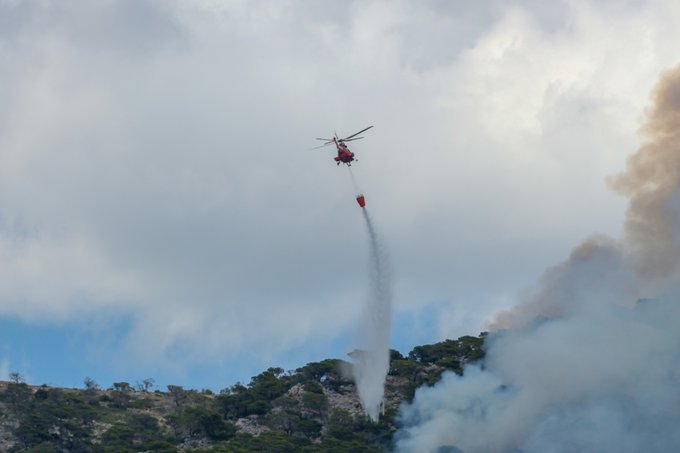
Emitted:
pixel 33 430
pixel 315 403
pixel 16 378
pixel 56 417
pixel 202 422
pixel 146 385
pixel 138 432
pixel 90 384
pixel 122 387
pixel 178 394
pixel 341 425
pixel 17 396
pixel 267 442
pixel 120 397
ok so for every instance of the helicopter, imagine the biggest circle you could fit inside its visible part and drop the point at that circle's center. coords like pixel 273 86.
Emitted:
pixel 345 156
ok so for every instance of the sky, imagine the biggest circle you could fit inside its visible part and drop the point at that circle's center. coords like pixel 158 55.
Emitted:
pixel 162 214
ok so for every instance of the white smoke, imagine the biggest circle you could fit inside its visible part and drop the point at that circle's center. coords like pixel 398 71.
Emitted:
pixel 582 363
pixel 601 381
pixel 372 359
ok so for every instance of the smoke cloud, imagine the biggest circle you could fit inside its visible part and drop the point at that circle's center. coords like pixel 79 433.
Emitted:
pixel 588 360
pixel 372 359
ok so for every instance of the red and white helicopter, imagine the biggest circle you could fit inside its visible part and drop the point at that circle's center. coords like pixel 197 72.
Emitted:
pixel 345 156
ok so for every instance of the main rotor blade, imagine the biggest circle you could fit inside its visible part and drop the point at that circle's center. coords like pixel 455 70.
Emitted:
pixel 326 139
pixel 354 135
pixel 322 146
pixel 350 139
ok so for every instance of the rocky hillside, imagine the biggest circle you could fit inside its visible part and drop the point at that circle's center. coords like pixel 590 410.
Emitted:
pixel 311 409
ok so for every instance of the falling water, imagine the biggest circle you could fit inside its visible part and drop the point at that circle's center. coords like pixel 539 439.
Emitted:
pixel 372 357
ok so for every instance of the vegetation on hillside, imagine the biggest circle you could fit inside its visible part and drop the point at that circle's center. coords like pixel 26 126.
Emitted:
pixel 314 408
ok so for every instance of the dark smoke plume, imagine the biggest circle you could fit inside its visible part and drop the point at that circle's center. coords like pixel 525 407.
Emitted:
pixel 589 360
pixel 651 182
pixel 649 253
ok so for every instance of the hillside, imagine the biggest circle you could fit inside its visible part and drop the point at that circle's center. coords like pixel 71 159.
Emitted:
pixel 311 409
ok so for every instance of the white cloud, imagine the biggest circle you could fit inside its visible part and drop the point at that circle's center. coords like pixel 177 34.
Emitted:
pixel 160 168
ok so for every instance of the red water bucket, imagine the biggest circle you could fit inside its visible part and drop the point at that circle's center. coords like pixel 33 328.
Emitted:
pixel 361 200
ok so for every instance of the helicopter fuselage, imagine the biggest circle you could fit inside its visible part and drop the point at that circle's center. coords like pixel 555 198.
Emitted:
pixel 344 156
